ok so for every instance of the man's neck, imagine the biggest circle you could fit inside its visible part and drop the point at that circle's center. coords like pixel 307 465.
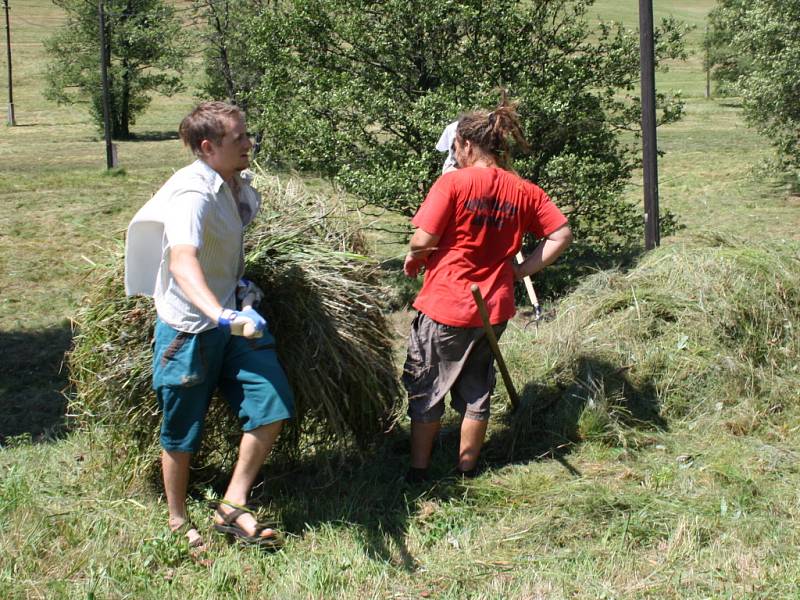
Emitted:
pixel 484 162
pixel 227 176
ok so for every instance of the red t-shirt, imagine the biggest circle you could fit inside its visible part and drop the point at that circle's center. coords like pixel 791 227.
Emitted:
pixel 481 215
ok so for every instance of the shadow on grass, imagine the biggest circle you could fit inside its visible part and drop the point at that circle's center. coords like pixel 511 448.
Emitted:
pixel 31 382
pixel 368 494
pixel 152 136
pixel 600 403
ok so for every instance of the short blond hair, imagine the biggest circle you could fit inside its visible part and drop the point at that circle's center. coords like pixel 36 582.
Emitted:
pixel 207 122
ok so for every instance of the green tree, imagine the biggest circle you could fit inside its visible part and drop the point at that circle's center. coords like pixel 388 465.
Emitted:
pixel 360 91
pixel 231 72
pixel 756 48
pixel 146 46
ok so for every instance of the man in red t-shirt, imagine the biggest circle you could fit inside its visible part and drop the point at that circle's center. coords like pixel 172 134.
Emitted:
pixel 469 228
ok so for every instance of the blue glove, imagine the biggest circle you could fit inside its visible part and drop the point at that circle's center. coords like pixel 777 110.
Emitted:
pixel 225 318
pixel 259 321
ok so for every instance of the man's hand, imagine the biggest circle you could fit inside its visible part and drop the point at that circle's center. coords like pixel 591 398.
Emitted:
pixel 246 323
pixel 256 330
pixel 248 293
pixel 420 247
pixel 412 265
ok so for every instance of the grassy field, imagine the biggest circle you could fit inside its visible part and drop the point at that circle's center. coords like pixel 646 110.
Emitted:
pixel 696 498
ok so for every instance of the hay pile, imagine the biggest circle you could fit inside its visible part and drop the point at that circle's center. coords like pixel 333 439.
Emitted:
pixel 323 303
pixel 695 330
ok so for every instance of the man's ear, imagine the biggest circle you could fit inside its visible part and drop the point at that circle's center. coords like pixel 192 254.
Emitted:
pixel 206 147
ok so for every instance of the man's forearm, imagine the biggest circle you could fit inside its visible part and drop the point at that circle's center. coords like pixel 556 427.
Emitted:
pixel 545 253
pixel 419 249
pixel 422 244
pixel 188 273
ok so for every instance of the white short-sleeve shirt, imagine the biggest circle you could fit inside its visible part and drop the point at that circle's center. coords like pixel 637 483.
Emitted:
pixel 197 208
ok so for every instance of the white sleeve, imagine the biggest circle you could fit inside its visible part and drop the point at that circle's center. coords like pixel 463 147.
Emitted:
pixel 185 218
pixel 445 142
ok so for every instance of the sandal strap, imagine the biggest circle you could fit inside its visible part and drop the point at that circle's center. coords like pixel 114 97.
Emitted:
pixel 245 507
pixel 230 518
pixel 184 528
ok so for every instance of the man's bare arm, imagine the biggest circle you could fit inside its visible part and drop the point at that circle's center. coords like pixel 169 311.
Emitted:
pixel 186 269
pixel 420 247
pixel 545 253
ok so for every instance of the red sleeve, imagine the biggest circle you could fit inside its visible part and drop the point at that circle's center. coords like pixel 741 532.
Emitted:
pixel 436 212
pixel 546 216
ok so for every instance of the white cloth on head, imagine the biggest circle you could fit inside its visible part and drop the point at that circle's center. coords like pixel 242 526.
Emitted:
pixel 197 208
pixel 445 144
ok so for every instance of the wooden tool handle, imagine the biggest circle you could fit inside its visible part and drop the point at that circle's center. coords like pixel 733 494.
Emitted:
pixel 529 286
pixel 492 339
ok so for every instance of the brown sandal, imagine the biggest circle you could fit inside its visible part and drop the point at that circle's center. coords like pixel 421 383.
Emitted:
pixel 229 527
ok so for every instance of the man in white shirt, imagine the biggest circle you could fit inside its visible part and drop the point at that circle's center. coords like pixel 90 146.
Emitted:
pixel 185 248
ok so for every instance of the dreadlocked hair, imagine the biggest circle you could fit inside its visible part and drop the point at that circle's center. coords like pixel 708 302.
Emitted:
pixel 491 131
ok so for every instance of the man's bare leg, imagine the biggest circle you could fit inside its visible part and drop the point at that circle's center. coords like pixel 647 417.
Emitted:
pixel 253 451
pixel 175 471
pixel 473 433
pixel 422 437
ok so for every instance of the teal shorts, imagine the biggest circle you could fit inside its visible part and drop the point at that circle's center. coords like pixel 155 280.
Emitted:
pixel 189 367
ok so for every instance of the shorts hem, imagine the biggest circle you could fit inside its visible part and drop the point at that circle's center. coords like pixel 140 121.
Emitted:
pixel 268 421
pixel 173 448
pixel 425 419
pixel 475 416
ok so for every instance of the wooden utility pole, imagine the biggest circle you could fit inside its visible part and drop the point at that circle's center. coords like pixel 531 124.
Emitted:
pixel 652 236
pixel 110 162
pixel 11 120
pixel 708 67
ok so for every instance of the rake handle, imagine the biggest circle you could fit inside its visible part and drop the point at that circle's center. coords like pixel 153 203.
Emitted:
pixel 529 287
pixel 492 339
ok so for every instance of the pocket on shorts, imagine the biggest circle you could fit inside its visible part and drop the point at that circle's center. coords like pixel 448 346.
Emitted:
pixel 452 342
pixel 417 367
pixel 178 361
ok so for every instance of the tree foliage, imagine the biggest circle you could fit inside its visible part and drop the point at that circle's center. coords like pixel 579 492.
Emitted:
pixel 146 46
pixel 230 69
pixel 756 53
pixel 360 91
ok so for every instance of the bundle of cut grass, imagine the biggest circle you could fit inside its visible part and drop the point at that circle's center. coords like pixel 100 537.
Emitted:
pixel 323 303
pixel 707 327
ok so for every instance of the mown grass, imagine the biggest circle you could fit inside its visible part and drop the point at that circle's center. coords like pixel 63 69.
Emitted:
pixel 656 456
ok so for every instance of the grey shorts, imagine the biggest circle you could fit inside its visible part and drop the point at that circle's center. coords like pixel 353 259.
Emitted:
pixel 443 358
